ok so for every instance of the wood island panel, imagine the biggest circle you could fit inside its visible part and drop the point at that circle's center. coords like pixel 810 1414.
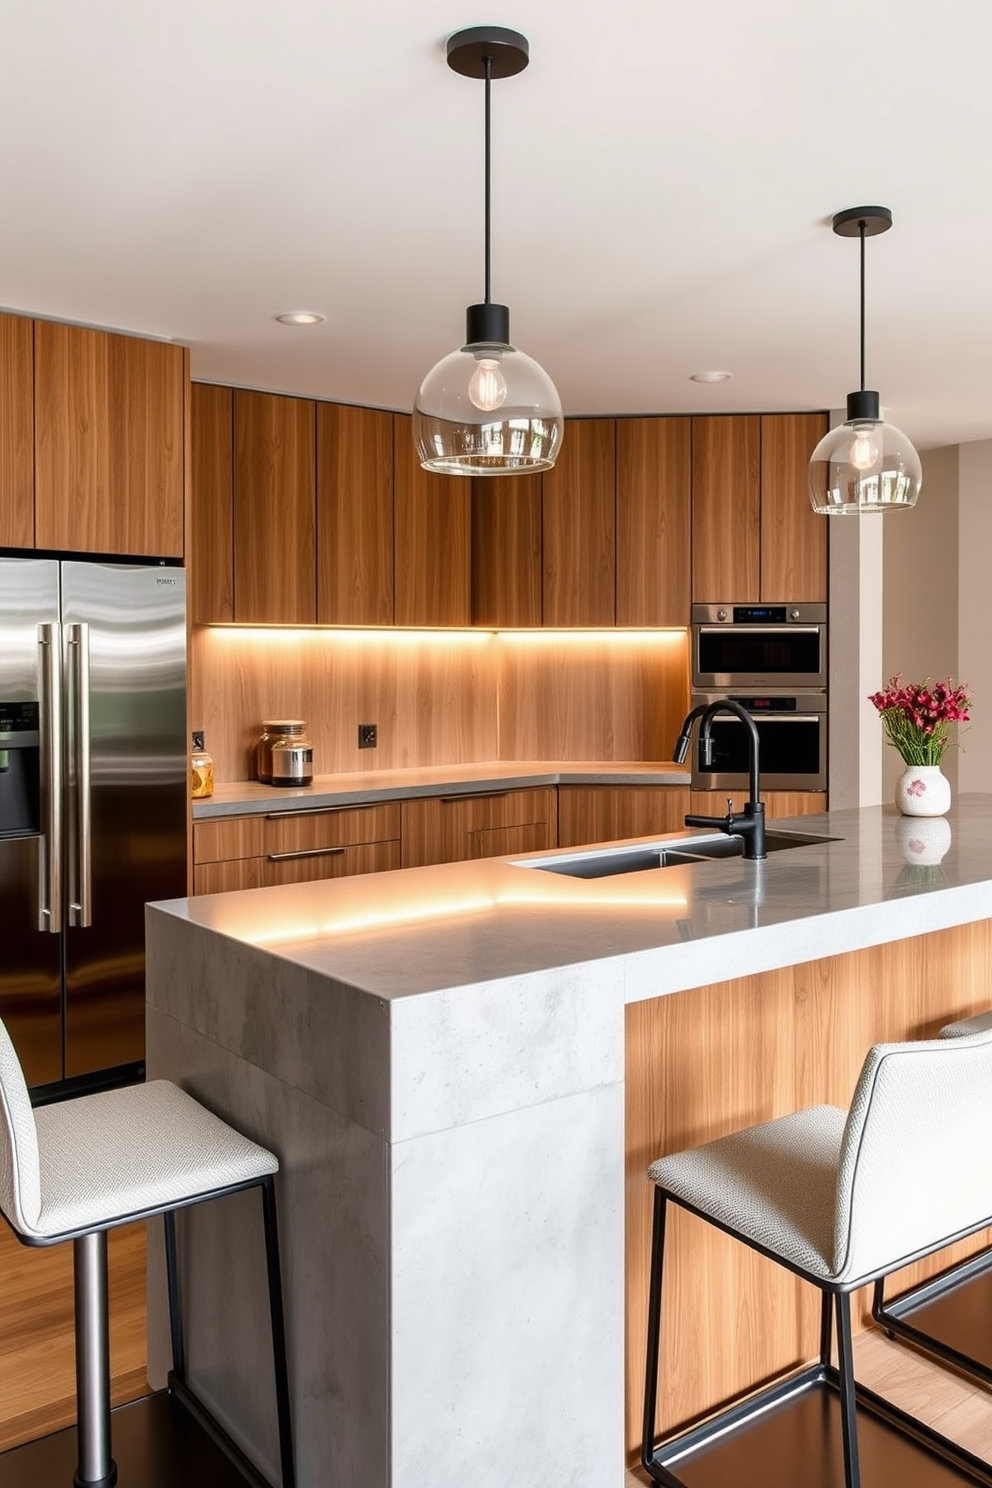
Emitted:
pixel 109 446
pixel 793 536
pixel 706 1062
pixel 726 508
pixel 17 431
pixel 654 481
pixel 579 527
pixel 275 535
pixel 354 516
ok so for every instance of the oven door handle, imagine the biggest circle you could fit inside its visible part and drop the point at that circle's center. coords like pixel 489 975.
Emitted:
pixel 773 717
pixel 760 629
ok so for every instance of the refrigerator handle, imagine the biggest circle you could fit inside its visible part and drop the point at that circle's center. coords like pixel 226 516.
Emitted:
pixel 50 876
pixel 81 868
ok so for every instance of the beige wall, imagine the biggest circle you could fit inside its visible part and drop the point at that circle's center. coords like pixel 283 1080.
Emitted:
pixel 974 606
pixel 920 588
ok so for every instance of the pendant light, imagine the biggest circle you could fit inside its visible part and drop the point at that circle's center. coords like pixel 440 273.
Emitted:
pixel 487 409
pixel 865 464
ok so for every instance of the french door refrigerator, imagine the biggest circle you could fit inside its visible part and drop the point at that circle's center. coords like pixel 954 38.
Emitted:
pixel 93 789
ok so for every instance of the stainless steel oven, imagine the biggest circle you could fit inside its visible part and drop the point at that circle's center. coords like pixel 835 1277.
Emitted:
pixel 792 733
pixel 750 647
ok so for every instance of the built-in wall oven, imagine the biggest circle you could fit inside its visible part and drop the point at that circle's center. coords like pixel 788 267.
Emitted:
pixel 749 647
pixel 792 734
pixel 772 659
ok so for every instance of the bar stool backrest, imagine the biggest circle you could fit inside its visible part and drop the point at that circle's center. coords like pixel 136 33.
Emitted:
pixel 916 1157
pixel 20 1172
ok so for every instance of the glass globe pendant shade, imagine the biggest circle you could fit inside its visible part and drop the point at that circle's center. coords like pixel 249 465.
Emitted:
pixel 862 466
pixel 487 409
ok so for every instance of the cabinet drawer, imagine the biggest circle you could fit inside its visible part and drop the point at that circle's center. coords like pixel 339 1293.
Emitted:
pixel 305 830
pixel 451 829
pixel 605 813
pixel 225 877
pixel 226 838
pixel 332 862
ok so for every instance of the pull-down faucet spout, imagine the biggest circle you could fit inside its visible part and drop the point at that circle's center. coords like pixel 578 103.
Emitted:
pixel 752 826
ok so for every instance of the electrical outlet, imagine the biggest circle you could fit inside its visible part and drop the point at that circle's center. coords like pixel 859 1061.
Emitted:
pixel 368 735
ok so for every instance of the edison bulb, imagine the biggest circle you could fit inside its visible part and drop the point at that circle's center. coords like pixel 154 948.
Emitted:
pixel 487 386
pixel 864 447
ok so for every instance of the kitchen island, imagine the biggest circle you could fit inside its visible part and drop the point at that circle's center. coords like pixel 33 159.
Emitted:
pixel 461 1067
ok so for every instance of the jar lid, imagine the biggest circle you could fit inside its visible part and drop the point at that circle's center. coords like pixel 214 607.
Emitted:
pixel 284 723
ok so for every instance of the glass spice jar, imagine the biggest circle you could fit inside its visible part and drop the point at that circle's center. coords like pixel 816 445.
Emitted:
pixel 201 768
pixel 273 730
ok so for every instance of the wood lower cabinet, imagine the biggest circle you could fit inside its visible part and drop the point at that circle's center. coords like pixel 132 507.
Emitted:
pixel 777 803
pixel 453 829
pixel 16 431
pixel 251 852
pixel 607 813
pixel 109 442
pixel 275 515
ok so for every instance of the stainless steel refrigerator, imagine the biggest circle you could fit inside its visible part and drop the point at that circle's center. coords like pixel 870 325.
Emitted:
pixel 93 792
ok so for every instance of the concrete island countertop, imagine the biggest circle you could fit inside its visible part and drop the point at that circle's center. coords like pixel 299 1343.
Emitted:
pixel 239 797
pixel 437 1056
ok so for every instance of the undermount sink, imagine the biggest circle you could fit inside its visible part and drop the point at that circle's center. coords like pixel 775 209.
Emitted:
pixel 670 853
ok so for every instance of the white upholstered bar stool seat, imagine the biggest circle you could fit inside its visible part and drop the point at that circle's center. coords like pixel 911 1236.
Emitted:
pixel 841 1198
pixel 75 1169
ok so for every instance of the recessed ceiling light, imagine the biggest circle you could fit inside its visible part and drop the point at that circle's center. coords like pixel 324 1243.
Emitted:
pixel 300 317
pixel 709 376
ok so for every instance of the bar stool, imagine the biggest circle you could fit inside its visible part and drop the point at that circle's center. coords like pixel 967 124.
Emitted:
pixel 949 1316
pixel 838 1199
pixel 78 1168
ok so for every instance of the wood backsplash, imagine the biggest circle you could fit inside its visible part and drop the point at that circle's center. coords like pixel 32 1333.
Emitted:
pixel 440 697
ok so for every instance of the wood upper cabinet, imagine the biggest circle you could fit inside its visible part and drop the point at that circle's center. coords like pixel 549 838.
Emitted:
pixel 433 538
pixel 16 431
pixel 109 446
pixel 579 527
pixel 726 508
pixel 275 537
pixel 210 561
pixel 754 534
pixel 793 537
pixel 653 491
pixel 506 551
pixel 354 516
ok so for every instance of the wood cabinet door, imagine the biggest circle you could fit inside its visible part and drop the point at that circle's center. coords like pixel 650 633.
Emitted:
pixel 433 538
pixel 506 552
pixel 210 561
pixel 275 521
pixel 654 492
pixel 777 803
pixel 608 813
pixel 354 516
pixel 16 431
pixel 453 829
pixel 793 537
pixel 579 527
pixel 109 445
pixel 726 495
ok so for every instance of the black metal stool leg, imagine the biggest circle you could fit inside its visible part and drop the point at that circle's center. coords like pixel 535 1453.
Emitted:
pixel 826 1326
pixel 654 1330
pixel 278 1333
pixel 96 1467
pixel 848 1404
pixel 175 1296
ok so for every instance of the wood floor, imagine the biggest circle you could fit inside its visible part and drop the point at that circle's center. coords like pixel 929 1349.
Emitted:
pixel 37 1364
pixel 37 1373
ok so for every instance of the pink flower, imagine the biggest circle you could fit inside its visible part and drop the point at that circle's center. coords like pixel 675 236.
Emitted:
pixel 916 788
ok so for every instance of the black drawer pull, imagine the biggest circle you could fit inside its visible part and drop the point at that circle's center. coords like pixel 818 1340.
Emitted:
pixel 474 796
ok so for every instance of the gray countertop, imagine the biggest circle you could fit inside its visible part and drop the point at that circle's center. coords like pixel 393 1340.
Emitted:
pixel 242 797
pixel 418 931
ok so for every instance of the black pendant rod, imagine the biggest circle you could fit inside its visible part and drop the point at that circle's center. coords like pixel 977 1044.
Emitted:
pixel 488 233
pixel 861 232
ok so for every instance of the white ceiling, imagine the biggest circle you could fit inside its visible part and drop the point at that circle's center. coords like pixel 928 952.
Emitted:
pixel 664 175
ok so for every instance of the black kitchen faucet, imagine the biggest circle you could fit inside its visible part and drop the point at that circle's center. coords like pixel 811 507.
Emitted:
pixel 751 826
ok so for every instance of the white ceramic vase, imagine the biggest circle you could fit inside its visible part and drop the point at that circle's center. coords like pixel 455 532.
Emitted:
pixel 923 842
pixel 923 790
